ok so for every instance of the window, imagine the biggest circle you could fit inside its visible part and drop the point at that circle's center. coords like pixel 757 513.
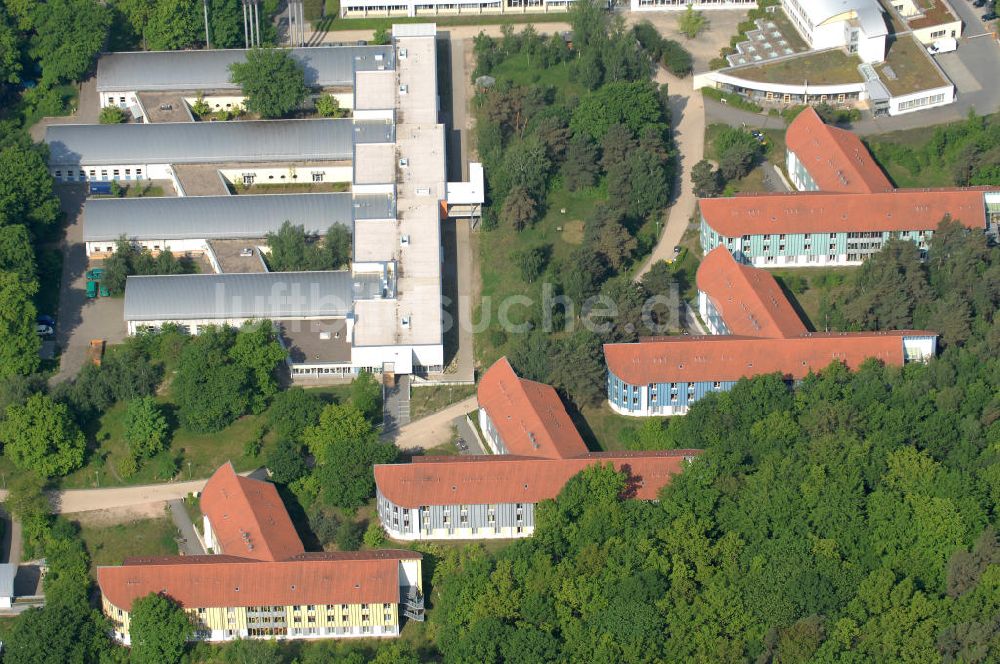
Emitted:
pixel 58 174
pixel 317 176
pixel 128 172
pixel 116 173
pixel 138 172
pixel 938 33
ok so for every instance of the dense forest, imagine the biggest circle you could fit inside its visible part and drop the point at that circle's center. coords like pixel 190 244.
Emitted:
pixel 579 158
pixel 852 520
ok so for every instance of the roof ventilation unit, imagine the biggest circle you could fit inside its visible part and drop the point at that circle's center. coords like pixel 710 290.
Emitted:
pixel 406 322
pixel 403 89
pixel 403 162
pixel 404 240
pixel 402 54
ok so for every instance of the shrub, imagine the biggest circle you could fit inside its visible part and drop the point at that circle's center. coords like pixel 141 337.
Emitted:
pixel 112 115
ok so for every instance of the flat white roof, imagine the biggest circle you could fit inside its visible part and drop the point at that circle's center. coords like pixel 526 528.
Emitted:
pixel 472 192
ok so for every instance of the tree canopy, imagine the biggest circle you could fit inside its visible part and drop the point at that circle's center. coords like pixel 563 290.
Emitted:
pixel 41 437
pixel 68 35
pixel 159 628
pixel 273 82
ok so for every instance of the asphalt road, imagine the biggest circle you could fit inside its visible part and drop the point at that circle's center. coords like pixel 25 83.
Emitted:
pixel 189 543
pixel 79 320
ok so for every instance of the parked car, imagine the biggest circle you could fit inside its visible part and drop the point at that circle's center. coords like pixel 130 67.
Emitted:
pixel 44 330
pixel 978 3
pixel 45 319
pixel 989 16
pixel 247 252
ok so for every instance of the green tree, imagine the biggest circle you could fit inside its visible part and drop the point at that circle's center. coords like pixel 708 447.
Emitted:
pixel 706 180
pixel 40 436
pixel 19 344
pixel 580 168
pixel 16 253
pixel 292 411
pixel 346 447
pixel 328 107
pixel 374 535
pixel 145 427
pixel 174 24
pixel 737 161
pixel 211 389
pixel 159 628
pixel 366 395
pixel 225 21
pixel 635 104
pixel 259 352
pixel 56 634
pixel 26 195
pixel 68 36
pixel 640 183
pixel 519 209
pixel 676 58
pixel 578 368
pixel 273 82
pixel 691 22
pixel 334 252
pixel 381 36
pixel 349 536
pixel 532 261
pixel 10 51
pixel 112 115
pixel 285 461
pixel 289 249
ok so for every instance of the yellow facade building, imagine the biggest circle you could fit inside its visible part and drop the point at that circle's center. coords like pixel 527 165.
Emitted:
pixel 261 583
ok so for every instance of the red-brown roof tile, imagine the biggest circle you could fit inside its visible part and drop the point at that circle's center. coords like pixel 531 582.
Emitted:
pixel 529 416
pixel 749 300
pixel 212 581
pixel 248 517
pixel 814 212
pixel 729 358
pixel 502 480
pixel 836 159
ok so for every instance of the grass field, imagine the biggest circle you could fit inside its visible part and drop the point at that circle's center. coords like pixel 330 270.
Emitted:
pixel 813 284
pixel 109 545
pixel 911 65
pixel 426 400
pixel 833 67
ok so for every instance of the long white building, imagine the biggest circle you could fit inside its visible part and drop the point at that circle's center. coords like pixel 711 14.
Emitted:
pixel 385 313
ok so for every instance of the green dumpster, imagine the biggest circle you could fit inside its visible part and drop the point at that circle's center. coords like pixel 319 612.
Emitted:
pixel 104 291
pixel 91 289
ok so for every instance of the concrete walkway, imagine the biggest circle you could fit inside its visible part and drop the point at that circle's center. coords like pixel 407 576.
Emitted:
pixel 189 543
pixel 432 430
pixel 688 122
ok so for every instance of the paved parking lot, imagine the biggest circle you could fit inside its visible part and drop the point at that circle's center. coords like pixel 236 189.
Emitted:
pixel 80 319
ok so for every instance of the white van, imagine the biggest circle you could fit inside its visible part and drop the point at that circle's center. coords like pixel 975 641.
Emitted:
pixel 943 46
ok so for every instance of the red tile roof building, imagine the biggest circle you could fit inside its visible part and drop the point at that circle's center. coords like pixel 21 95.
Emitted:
pixel 825 158
pixel 261 583
pixel 537 449
pixel 519 416
pixel 845 209
pixel 739 299
pixel 756 331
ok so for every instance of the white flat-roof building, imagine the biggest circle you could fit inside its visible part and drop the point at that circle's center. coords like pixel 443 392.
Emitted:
pixel 857 25
pixel 386 312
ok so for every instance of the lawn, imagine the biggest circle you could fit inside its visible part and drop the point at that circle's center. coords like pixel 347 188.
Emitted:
pixel 806 288
pixel 560 229
pixel 832 67
pixel 199 455
pixel 425 400
pixel 911 65
pixel 109 545
pixel 601 427
pixel 293 188
pixel 521 71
